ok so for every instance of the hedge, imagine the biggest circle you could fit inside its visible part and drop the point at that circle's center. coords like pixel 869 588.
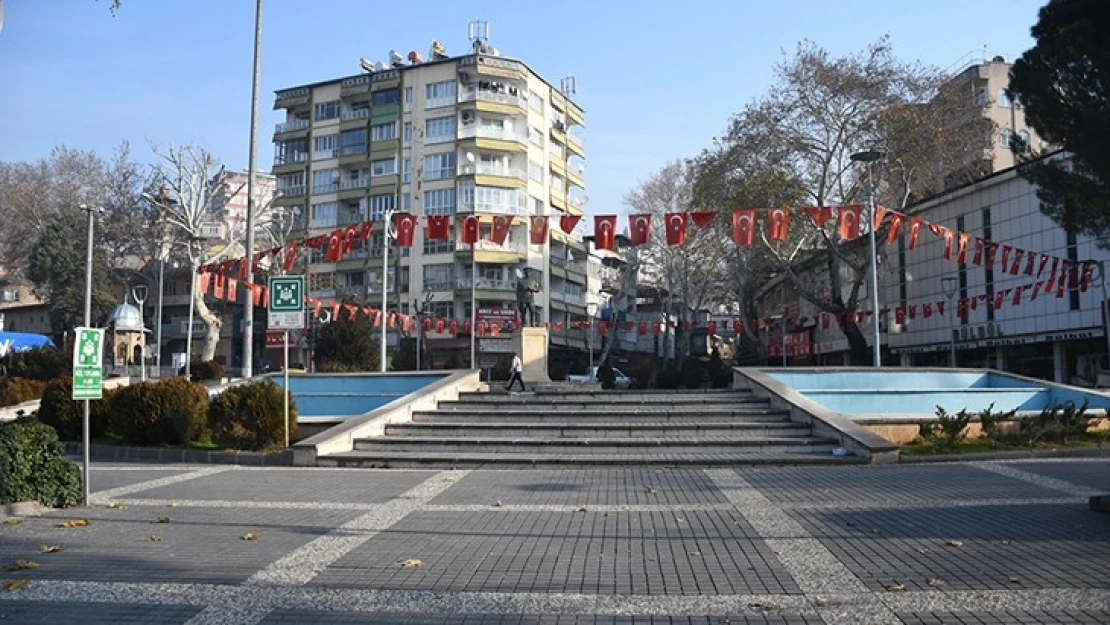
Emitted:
pixel 33 466
pixel 250 417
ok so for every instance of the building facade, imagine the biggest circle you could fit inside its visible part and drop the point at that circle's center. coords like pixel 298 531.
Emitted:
pixel 473 134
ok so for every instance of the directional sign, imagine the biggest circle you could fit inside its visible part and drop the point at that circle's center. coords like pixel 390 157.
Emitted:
pixel 286 311
pixel 88 360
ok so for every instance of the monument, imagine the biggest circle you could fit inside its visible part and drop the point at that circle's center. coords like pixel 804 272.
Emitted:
pixel 529 342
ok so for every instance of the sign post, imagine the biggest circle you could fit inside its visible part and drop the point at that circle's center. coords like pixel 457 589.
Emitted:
pixel 88 380
pixel 286 312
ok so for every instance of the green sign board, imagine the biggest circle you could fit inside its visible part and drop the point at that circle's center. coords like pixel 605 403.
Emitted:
pixel 286 311
pixel 88 361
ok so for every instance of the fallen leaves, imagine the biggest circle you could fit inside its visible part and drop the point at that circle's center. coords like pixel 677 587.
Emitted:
pixel 249 536
pixel 162 519
pixel 935 581
pixel 955 543
pixel 22 565
pixel 895 587
pixel 116 505
pixel 12 521
pixel 50 549
pixel 16 584
pixel 75 523
pixel 410 563
pixel 155 538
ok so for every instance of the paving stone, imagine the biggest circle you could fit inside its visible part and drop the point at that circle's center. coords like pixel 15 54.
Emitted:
pixel 1006 618
pixel 285 617
pixel 291 484
pixel 998 547
pixel 104 478
pixel 1094 475
pixel 617 486
pixel 706 552
pixel 36 612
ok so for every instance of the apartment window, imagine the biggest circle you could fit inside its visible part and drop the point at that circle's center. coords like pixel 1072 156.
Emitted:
pixel 325 181
pixel 439 94
pixel 407 137
pixel 287 183
pixel 351 213
pixel 535 171
pixel 352 142
pixel 1003 99
pixel 439 166
pixel 324 281
pixel 379 204
pixel 438 246
pixel 439 129
pixel 439 277
pixel 441 310
pixel 981 97
pixel 383 132
pixel 324 146
pixel 292 151
pixel 492 123
pixel 536 136
pixel 406 170
pixel 535 102
pixel 327 110
pixel 383 167
pixel 406 202
pixel 439 202
pixel 355 279
pixel 1005 137
pixel 537 206
pixel 324 215
pixel 1024 137
pixel 383 98
pixel 361 105
pixel 408 98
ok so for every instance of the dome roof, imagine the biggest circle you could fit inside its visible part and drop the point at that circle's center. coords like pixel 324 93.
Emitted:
pixel 125 318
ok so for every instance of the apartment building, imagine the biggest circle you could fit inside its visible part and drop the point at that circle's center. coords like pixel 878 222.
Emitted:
pixel 477 133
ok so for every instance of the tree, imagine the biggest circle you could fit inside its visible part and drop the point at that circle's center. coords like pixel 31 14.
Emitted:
pixel 819 112
pixel 347 345
pixel 1062 84
pixel 57 269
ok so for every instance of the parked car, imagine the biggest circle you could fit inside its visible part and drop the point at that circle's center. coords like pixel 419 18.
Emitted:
pixel 620 380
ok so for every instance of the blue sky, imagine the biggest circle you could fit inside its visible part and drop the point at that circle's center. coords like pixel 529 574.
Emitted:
pixel 658 80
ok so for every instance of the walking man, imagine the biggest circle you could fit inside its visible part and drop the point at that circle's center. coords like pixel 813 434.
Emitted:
pixel 518 370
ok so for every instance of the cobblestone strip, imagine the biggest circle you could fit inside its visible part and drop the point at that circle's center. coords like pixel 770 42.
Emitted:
pixel 105 496
pixel 814 568
pixel 674 507
pixel 256 505
pixel 932 503
pixel 1033 478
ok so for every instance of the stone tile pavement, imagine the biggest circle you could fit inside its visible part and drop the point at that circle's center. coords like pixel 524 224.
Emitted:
pixel 968 543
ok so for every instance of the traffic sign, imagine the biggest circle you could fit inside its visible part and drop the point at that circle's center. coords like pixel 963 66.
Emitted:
pixel 286 311
pixel 88 360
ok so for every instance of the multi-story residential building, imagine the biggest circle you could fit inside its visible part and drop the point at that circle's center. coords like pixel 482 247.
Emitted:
pixel 229 204
pixel 472 134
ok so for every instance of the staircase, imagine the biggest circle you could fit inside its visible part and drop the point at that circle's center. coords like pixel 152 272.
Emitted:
pixel 593 428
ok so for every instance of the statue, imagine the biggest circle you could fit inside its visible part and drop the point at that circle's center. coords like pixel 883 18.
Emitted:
pixel 526 287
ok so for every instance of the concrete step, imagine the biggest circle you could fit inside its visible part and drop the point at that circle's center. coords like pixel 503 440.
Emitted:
pixel 624 413
pixel 656 458
pixel 588 446
pixel 498 395
pixel 507 401
pixel 596 430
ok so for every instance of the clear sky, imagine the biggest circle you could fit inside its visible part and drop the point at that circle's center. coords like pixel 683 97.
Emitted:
pixel 657 79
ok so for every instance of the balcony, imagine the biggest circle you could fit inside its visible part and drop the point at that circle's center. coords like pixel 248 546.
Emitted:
pixel 488 174
pixel 293 126
pixel 320 155
pixel 317 189
pixel 574 144
pixel 439 285
pixel 487 284
pixel 357 183
pixel 486 132
pixel 291 97
pixel 354 86
pixel 290 159
pixel 497 98
pixel 489 246
pixel 355 114
pixel 469 206
pixel 291 191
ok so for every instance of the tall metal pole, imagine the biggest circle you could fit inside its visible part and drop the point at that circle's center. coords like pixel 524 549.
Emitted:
pixel 285 376
pixel 88 322
pixel 192 309
pixel 142 354
pixel 951 335
pixel 385 284
pixel 877 358
pixel 474 306
pixel 248 302
pixel 158 318
pixel 783 346
pixel 1106 314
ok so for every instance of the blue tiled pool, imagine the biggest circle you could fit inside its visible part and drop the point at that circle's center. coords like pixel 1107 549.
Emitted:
pixel 329 397
pixel 920 392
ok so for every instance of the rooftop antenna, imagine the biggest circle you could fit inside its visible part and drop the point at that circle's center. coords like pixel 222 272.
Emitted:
pixel 477 31
pixel 568 85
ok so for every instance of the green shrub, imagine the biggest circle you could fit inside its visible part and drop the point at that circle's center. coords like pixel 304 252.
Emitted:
pixel 167 412
pixel 18 390
pixel 60 411
pixel 40 363
pixel 1074 421
pixel 33 466
pixel 948 431
pixel 991 423
pixel 250 416
pixel 347 345
pixel 206 370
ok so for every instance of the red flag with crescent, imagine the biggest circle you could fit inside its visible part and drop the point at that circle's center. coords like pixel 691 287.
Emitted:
pixel 335 247
pixel 1015 268
pixel 500 231
pixel 364 230
pixel 470 229
pixel 537 230
pixel 915 229
pixel 879 216
pixel 819 214
pixel 568 222
pixel 961 254
pixel 896 220
pixel 743 226
pixel 778 221
pixel 848 218
pixel 405 223
pixel 290 256
pixel 676 228
pixel 640 229
pixel 703 219
pixel 949 239
pixel 438 228
pixel 605 231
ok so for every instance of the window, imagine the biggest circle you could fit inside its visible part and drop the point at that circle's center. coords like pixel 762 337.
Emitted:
pixel 535 102
pixel 324 281
pixel 324 215
pixel 438 246
pixel 408 98
pixel 439 94
pixel 352 142
pixel 1025 138
pixel 407 139
pixel 1003 99
pixel 535 171
pixel 494 123
pixel 379 204
pixel 439 129
pixel 355 278
pixel 383 98
pixel 383 167
pixel 324 146
pixel 536 135
pixel 383 132
pixel 325 181
pixel 439 277
pixel 1004 137
pixel 441 310
pixel 291 184
pixel 439 166
pixel 327 110
pixel 439 202
pixel 981 97
pixel 292 151
pixel 537 206
pixel 406 202
pixel 406 170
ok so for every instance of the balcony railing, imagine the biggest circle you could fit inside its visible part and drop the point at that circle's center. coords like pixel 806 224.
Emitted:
pixel 488 284
pixel 289 159
pixel 489 246
pixel 492 170
pixel 355 114
pixel 293 126
pixel 357 183
pixel 293 190
pixel 487 132
pixel 438 285
pixel 320 155
pixel 469 206
pixel 471 94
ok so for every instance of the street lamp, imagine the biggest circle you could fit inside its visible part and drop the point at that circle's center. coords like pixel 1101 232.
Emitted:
pixel 192 307
pixel 91 211
pixel 591 310
pixel 139 293
pixel 949 285
pixel 868 157
pixel 388 231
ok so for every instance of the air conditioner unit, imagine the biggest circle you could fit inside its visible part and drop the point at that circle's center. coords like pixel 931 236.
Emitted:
pixel 467 117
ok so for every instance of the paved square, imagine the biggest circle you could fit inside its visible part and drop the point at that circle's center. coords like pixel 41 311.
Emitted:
pixel 670 487
pixel 289 484
pixel 35 613
pixel 116 476
pixel 1093 475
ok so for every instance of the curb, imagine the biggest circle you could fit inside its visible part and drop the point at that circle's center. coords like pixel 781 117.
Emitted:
pixel 1023 454
pixel 119 453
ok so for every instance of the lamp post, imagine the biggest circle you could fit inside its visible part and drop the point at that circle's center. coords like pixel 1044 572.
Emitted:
pixel 949 285
pixel 868 157
pixel 91 211
pixel 591 310
pixel 388 231
pixel 248 304
pixel 192 309
pixel 139 293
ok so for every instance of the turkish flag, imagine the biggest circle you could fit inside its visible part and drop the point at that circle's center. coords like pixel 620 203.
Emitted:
pixel 427 324
pixel 1006 258
pixel 1088 274
pixel 1030 260
pixel 896 220
pixel 642 329
pixel 848 221
pixel 1015 268
pixel 992 248
pixel 900 315
pixel 441 325
pixel 979 244
pixel 641 228
pixel 927 310
pixel 743 226
pixel 232 289
pixel 453 326
pixel 537 230
pixel 364 230
pixel 500 232
pixel 470 229
pixel 961 253
pixel 352 311
pixel 405 223
pixel 676 227
pixel 568 222
pixel 656 328
pixel 819 214
pixel 1044 261
pixel 438 228
pixel 202 282
pixel 703 219
pixel 915 229
pixel 712 328
pixel 290 256
pixel 349 234
pixel 335 247
pixel 778 221
pixel 879 216
pixel 949 238
pixel 605 231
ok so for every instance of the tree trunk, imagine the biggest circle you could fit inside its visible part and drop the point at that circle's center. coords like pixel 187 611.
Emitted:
pixel 212 324
pixel 859 352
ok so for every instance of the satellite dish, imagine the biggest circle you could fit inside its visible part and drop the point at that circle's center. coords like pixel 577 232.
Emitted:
pixel 366 66
pixel 395 59
pixel 438 51
pixel 519 273
pixel 414 58
pixel 470 157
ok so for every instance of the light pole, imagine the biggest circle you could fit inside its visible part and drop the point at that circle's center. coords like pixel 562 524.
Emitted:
pixel 139 293
pixel 591 310
pixel 869 157
pixel 91 211
pixel 192 309
pixel 248 303
pixel 949 285
pixel 421 309
pixel 1105 307
pixel 387 232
